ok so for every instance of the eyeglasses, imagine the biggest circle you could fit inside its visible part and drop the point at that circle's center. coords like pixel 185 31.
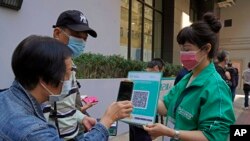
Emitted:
pixel 83 35
pixel 65 33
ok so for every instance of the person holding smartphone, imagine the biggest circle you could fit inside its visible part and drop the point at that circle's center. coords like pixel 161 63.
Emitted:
pixel 42 68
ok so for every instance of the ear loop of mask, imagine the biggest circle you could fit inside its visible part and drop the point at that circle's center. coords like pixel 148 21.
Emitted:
pixel 201 49
pixel 65 33
pixel 204 47
pixel 51 93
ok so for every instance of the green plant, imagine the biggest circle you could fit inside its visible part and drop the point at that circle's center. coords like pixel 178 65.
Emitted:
pixel 114 66
pixel 171 70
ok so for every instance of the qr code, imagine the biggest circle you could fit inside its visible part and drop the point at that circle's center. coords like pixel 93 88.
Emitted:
pixel 140 99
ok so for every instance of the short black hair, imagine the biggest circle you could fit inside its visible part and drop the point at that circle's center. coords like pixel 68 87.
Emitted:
pixel 202 32
pixel 156 61
pixel 221 55
pixel 248 64
pixel 39 57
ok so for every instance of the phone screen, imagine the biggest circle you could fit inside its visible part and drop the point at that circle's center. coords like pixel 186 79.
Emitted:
pixel 125 90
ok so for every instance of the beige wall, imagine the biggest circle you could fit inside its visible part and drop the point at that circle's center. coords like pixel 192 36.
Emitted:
pixel 181 19
pixel 38 16
pixel 236 39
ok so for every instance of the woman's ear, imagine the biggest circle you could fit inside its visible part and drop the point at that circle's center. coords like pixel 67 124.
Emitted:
pixel 207 47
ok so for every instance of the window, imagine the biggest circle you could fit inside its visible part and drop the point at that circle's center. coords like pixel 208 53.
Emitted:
pixel 140 29
pixel 228 23
pixel 124 28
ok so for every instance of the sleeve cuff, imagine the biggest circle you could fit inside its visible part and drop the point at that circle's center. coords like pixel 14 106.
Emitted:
pixel 102 129
pixel 79 116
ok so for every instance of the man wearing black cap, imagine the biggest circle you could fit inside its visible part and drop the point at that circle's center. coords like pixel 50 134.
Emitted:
pixel 72 29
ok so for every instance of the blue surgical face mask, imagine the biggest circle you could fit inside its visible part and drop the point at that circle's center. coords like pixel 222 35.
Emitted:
pixel 77 45
pixel 66 87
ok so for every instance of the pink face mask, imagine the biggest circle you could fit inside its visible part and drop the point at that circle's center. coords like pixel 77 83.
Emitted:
pixel 189 60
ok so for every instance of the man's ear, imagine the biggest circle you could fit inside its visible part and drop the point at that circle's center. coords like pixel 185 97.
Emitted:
pixel 56 33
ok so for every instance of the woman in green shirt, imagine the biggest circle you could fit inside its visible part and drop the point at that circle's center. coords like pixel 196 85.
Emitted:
pixel 199 107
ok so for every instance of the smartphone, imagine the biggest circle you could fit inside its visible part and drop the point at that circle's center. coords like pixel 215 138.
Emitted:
pixel 90 99
pixel 113 129
pixel 125 90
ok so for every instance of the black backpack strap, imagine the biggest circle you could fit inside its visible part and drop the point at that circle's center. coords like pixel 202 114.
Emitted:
pixel 1 90
pixel 54 113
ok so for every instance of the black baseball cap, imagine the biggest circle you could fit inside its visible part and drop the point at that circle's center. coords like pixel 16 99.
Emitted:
pixel 76 21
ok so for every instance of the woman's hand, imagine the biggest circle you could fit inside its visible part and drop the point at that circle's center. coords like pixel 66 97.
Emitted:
pixel 87 106
pixel 156 130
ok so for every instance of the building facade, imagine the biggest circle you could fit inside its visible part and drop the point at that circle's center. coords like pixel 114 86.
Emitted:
pixel 135 29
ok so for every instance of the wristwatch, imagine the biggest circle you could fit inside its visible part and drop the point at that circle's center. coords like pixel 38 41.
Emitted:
pixel 176 135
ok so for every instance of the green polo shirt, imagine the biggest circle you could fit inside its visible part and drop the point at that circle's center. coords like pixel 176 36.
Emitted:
pixel 206 105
